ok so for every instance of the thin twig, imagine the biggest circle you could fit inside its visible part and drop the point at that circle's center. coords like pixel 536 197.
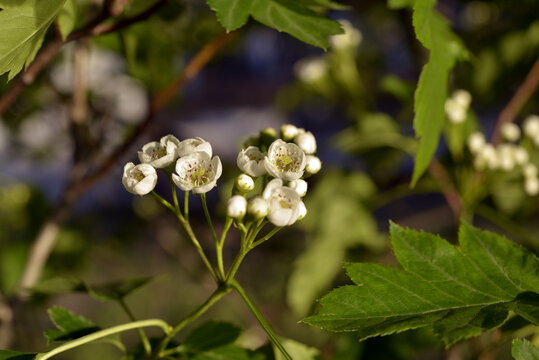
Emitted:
pixel 521 96
pixel 450 193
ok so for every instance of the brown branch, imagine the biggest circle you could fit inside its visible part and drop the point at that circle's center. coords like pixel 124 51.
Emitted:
pixel 94 28
pixel 450 193
pixel 521 96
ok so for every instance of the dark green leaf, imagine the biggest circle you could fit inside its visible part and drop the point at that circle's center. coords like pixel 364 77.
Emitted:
pixel 434 33
pixel 23 25
pixel 67 18
pixel 458 293
pixel 524 350
pixel 294 18
pixel 229 352
pixel 119 289
pixel 16 355
pixel 70 325
pixel 210 335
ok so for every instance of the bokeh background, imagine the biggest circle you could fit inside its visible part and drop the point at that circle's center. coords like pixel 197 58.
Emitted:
pixel 356 98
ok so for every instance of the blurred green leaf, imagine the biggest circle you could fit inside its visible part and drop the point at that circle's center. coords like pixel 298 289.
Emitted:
pixel 67 17
pixel 23 25
pixel 210 335
pixel 70 325
pixel 297 351
pixel 399 4
pixel 460 293
pixel 337 220
pixel 283 15
pixel 522 349
pixel 434 33
pixel 229 352
pixel 16 355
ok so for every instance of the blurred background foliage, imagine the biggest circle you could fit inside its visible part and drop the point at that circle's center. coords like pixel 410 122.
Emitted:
pixel 357 98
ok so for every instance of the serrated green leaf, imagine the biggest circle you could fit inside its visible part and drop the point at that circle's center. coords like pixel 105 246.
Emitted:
pixel 16 355
pixel 434 33
pixel 210 335
pixel 70 325
pixel 294 18
pixel 522 349
pixel 67 18
pixel 23 25
pixel 459 293
pixel 229 352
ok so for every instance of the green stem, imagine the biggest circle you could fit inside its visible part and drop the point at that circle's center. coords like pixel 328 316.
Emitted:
pixel 186 206
pixel 142 334
pixel 216 296
pixel 260 318
pixel 164 202
pixel 174 195
pixel 239 258
pixel 219 246
pixel 104 333
pixel 208 217
pixel 266 237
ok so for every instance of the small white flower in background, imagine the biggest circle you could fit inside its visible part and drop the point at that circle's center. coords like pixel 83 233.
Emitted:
pixel 487 157
pixel 300 186
pixel 310 70
pixel 454 111
pixel 284 203
pixel 463 98
pixel 520 155
pixel 306 141
pixel 236 207
pixel 505 157
pixel 285 160
pixel 476 141
pixel 312 164
pixel 531 126
pixel 244 183
pixel 302 210
pixel 529 171
pixel 510 132
pixel 351 37
pixel 258 207
pixel 190 146
pixel 288 132
pixel 197 172
pixel 140 179
pixel 531 186
pixel 251 161
pixel 157 154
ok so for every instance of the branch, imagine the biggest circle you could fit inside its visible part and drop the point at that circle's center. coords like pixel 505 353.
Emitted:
pixel 94 28
pixel 450 193
pixel 521 96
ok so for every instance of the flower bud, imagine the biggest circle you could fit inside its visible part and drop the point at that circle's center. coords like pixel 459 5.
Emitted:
pixel 288 132
pixel 312 164
pixel 236 207
pixel 454 111
pixel 302 210
pixel 244 183
pixel 521 155
pixel 258 207
pixel 510 132
pixel 531 186
pixel 300 186
pixel 531 126
pixel 476 141
pixel 306 141
pixel 462 98
pixel 529 171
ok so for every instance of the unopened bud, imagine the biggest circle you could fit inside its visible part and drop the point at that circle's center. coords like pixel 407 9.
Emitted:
pixel 312 164
pixel 300 186
pixel 531 126
pixel 288 132
pixel 244 183
pixel 306 141
pixel 258 207
pixel 476 141
pixel 302 210
pixel 236 207
pixel 510 131
pixel 531 186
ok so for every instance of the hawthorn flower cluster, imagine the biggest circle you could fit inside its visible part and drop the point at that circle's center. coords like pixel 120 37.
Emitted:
pixel 456 107
pixel 282 164
pixel 191 159
pixel 512 154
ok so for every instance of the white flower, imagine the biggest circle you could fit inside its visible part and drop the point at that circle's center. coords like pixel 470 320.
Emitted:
pixel 157 154
pixel 284 203
pixel 302 210
pixel 531 126
pixel 520 155
pixel 139 179
pixel 189 146
pixel 531 186
pixel 285 160
pixel 306 141
pixel 530 171
pixel 236 207
pixel 351 37
pixel 455 112
pixel 165 140
pixel 288 132
pixel 505 156
pixel 258 207
pixel 244 183
pixel 197 172
pixel 312 164
pixel 310 70
pixel 251 161
pixel 476 141
pixel 300 186
pixel 463 98
pixel 487 157
pixel 510 131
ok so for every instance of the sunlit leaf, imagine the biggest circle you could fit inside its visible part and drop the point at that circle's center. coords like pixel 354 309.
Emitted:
pixel 458 292
pixel 67 18
pixel 23 25
pixel 524 350
pixel 70 325
pixel 297 351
